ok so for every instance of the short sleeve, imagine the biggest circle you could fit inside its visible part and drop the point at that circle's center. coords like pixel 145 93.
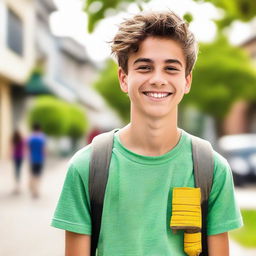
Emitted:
pixel 73 210
pixel 223 211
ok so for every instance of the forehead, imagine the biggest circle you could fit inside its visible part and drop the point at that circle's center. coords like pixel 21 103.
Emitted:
pixel 158 49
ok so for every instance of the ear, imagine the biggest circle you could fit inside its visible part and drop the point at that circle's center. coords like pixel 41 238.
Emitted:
pixel 122 80
pixel 188 83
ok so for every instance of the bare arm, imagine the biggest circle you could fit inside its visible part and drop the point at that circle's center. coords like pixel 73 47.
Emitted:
pixel 77 244
pixel 218 245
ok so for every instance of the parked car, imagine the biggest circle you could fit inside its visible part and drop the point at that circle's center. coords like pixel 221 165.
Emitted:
pixel 240 152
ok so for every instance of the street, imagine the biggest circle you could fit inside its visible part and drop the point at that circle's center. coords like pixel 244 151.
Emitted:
pixel 25 221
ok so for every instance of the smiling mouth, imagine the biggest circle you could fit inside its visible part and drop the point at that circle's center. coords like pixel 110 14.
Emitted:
pixel 158 95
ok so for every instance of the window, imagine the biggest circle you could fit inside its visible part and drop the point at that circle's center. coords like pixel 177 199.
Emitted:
pixel 14 32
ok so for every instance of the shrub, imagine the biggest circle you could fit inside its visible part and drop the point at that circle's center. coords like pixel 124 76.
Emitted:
pixel 58 118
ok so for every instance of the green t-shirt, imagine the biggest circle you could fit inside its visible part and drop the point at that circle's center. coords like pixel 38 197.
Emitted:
pixel 138 200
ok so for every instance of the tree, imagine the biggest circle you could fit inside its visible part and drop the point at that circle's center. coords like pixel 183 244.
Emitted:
pixel 97 10
pixel 108 86
pixel 51 114
pixel 58 118
pixel 78 124
pixel 243 10
pixel 223 74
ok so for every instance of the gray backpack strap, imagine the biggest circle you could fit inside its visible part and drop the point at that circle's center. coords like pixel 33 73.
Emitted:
pixel 202 153
pixel 98 177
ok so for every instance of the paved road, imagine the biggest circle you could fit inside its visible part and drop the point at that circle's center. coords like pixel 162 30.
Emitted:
pixel 25 222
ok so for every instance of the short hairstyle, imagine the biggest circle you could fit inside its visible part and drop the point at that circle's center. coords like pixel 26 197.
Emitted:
pixel 133 31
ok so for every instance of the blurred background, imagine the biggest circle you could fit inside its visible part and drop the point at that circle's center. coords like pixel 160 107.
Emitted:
pixel 56 72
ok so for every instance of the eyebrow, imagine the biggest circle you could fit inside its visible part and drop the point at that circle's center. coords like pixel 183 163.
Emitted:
pixel 151 61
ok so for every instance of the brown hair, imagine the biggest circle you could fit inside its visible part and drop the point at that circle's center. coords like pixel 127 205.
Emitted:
pixel 159 24
pixel 16 138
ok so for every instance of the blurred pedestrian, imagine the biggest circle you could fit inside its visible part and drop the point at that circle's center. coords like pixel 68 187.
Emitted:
pixel 18 152
pixel 36 147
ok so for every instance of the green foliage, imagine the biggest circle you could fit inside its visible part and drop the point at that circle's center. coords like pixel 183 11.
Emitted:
pixel 97 9
pixel 223 74
pixel 78 124
pixel 108 86
pixel 51 114
pixel 58 118
pixel 246 236
pixel 243 10
pixel 188 17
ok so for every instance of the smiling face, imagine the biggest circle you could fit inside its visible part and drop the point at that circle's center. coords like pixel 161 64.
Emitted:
pixel 156 80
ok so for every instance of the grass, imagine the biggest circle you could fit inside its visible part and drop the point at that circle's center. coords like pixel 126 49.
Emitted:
pixel 246 236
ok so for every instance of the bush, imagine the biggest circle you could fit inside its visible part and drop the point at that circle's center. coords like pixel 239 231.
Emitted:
pixel 58 118
pixel 78 124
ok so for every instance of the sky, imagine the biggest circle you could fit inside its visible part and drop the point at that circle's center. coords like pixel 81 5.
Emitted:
pixel 70 20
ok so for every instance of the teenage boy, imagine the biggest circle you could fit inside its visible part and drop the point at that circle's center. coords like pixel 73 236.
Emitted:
pixel 151 156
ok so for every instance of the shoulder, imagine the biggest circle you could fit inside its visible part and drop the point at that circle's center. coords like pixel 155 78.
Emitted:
pixel 222 175
pixel 43 136
pixel 219 160
pixel 221 166
pixel 79 162
pixel 31 138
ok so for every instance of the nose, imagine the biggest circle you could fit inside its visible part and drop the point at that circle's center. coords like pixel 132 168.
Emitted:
pixel 157 79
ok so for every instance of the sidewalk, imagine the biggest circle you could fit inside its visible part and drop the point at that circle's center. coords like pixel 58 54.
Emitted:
pixel 25 222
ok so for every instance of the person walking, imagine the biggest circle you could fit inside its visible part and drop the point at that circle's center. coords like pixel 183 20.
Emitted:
pixel 18 152
pixel 36 147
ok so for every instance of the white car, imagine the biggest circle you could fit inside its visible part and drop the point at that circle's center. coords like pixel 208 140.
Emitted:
pixel 240 151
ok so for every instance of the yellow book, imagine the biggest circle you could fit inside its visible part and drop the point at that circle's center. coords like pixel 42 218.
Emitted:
pixel 186 215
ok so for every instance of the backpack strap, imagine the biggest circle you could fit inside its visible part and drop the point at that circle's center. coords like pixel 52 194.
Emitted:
pixel 202 153
pixel 98 176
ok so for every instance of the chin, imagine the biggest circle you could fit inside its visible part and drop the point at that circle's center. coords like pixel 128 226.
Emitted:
pixel 158 114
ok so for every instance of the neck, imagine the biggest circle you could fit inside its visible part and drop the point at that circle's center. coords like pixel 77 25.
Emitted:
pixel 150 136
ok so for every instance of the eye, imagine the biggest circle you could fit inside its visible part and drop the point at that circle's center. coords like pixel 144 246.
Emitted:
pixel 144 68
pixel 171 69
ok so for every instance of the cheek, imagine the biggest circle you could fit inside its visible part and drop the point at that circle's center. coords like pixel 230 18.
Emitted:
pixel 182 84
pixel 131 85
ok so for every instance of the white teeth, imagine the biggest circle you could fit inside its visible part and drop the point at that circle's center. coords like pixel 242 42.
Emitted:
pixel 157 95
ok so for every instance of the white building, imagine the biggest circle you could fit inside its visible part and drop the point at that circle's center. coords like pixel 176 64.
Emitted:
pixel 16 59
pixel 27 44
